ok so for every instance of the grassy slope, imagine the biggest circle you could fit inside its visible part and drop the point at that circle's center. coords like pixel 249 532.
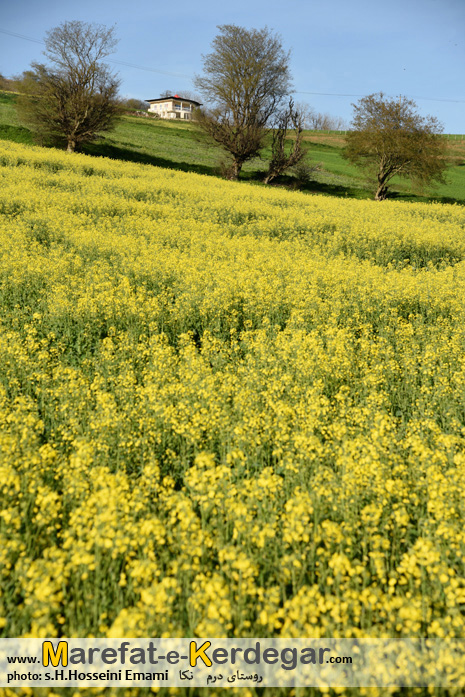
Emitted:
pixel 340 178
pixel 181 146
pixel 10 126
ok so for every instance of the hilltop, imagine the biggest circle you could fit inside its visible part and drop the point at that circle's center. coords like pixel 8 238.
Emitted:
pixel 182 146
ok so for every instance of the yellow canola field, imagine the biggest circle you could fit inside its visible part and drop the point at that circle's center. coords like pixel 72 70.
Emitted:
pixel 227 410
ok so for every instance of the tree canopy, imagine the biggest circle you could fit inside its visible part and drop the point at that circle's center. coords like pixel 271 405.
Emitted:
pixel 283 158
pixel 245 79
pixel 388 137
pixel 74 97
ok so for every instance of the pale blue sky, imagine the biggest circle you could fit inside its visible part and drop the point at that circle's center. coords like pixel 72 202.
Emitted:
pixel 349 47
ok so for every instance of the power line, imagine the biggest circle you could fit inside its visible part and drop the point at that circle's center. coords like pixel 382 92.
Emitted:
pixel 21 36
pixel 190 77
pixel 334 94
pixel 152 70
pixel 330 94
pixel 129 65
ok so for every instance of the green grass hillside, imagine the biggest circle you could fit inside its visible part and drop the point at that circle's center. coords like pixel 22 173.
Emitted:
pixel 182 146
pixel 10 126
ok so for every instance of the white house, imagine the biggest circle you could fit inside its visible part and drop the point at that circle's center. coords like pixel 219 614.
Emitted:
pixel 174 107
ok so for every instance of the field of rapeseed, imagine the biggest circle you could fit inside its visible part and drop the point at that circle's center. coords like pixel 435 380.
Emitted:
pixel 227 410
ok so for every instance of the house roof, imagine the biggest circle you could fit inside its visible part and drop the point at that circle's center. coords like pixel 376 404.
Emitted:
pixel 174 96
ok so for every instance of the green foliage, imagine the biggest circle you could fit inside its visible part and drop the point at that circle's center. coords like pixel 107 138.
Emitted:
pixel 71 100
pixel 5 83
pixel 389 138
pixel 245 80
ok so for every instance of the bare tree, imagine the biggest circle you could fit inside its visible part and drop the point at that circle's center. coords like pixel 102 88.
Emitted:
pixel 317 121
pixel 75 97
pixel 389 138
pixel 281 157
pixel 133 104
pixel 245 80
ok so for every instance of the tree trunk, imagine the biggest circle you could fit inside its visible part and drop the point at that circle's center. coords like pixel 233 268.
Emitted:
pixel 71 145
pixel 381 193
pixel 235 170
pixel 382 190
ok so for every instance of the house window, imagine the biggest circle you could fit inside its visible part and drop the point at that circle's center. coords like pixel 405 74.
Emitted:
pixel 177 106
